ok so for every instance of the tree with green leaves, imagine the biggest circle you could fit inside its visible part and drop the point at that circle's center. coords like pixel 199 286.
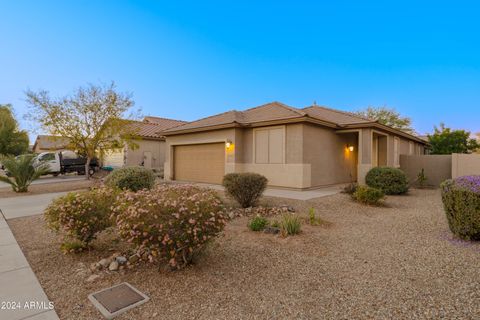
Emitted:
pixel 388 117
pixel 12 140
pixel 93 118
pixel 447 141
pixel 22 171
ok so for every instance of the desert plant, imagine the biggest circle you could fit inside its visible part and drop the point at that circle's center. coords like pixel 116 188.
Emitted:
pixel 245 188
pixel 80 216
pixel 170 222
pixel 461 201
pixel 389 180
pixel 131 178
pixel 257 223
pixel 368 195
pixel 22 171
pixel 275 224
pixel 312 219
pixel 290 225
pixel 421 178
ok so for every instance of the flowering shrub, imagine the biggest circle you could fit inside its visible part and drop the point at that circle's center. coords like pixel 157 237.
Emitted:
pixel 461 200
pixel 170 222
pixel 131 178
pixel 80 216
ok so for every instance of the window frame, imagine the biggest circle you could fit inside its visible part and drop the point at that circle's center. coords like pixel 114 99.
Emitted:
pixel 284 143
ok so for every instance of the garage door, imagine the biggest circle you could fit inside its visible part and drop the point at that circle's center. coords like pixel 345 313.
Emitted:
pixel 200 162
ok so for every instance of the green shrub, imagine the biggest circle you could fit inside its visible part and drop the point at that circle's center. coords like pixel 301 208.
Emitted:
pixel 389 180
pixel 131 178
pixel 22 171
pixel 461 200
pixel 245 188
pixel 258 223
pixel 368 195
pixel 80 216
pixel 290 225
pixel 171 222
pixel 422 178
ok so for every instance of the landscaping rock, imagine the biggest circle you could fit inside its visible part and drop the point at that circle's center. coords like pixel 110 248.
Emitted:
pixel 272 230
pixel 113 266
pixel 133 258
pixel 95 267
pixel 93 278
pixel 121 260
pixel 104 263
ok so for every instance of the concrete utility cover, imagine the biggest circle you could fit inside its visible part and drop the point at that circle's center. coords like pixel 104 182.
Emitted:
pixel 116 300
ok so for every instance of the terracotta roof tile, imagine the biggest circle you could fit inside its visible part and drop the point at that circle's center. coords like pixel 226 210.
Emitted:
pixel 152 127
pixel 163 123
pixel 267 112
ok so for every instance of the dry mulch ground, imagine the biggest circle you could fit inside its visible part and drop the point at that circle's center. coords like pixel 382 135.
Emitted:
pixel 398 261
pixel 7 192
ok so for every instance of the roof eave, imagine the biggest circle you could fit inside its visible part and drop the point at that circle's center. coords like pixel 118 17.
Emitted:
pixel 378 125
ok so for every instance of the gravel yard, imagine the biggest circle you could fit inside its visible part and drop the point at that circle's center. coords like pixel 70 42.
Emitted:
pixel 398 261
pixel 6 192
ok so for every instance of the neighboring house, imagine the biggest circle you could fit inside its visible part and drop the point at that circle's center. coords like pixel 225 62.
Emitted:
pixel 150 145
pixel 294 148
pixel 45 143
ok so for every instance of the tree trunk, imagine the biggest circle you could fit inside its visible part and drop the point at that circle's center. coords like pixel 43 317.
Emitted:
pixel 87 168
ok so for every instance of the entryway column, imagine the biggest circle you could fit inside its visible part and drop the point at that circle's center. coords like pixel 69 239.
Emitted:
pixel 365 154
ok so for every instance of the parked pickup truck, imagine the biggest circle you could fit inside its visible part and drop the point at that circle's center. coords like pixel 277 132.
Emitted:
pixel 66 161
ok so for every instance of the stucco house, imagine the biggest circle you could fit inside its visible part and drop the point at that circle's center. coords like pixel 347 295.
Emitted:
pixel 46 143
pixel 149 148
pixel 294 148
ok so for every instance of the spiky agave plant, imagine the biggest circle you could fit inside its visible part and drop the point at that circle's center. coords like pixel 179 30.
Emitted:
pixel 22 171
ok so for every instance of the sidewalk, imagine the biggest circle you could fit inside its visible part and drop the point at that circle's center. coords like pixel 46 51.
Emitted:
pixel 21 296
pixel 24 206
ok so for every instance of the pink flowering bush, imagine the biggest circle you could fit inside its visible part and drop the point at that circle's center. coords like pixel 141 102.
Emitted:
pixel 170 222
pixel 80 216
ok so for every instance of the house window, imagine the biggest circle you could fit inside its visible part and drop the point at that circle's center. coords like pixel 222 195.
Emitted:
pixel 269 145
pixel 411 148
pixel 396 153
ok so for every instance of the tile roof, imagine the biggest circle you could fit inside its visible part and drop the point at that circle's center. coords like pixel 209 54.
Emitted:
pixel 271 112
pixel 51 142
pixel 335 116
pixel 163 123
pixel 152 127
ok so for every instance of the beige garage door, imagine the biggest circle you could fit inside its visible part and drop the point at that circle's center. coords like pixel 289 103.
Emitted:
pixel 200 162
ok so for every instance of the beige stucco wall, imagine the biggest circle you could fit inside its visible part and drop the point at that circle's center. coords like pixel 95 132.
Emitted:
pixel 465 164
pixel 325 151
pixel 135 156
pixel 314 155
pixel 437 168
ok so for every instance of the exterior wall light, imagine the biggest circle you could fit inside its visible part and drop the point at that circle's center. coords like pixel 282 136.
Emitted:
pixel 351 148
pixel 228 144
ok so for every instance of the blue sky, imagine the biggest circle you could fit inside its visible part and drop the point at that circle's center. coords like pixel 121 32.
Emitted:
pixel 187 60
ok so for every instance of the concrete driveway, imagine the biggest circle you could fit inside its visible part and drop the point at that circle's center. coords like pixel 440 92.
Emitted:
pixel 50 179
